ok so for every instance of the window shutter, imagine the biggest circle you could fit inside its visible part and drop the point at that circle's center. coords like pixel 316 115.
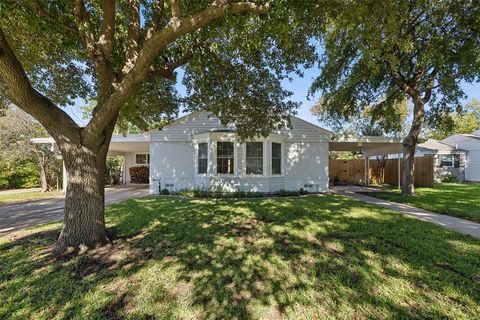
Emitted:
pixel 456 160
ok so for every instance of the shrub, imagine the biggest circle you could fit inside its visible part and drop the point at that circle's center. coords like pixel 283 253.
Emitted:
pixel 449 178
pixel 164 192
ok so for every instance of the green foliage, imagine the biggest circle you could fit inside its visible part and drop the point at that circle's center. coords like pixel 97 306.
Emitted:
pixel 369 44
pixel 113 170
pixel 449 178
pixel 320 257
pixel 465 120
pixel 458 200
pixel 19 174
pixel 234 68
pixel 164 192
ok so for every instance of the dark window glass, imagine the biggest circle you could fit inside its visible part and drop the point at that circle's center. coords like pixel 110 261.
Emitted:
pixel 446 160
pixel 254 157
pixel 456 160
pixel 142 158
pixel 276 158
pixel 225 157
pixel 202 157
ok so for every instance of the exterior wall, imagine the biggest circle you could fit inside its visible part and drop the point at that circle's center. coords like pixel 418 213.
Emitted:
pixel 304 165
pixel 440 172
pixel 472 170
pixel 472 145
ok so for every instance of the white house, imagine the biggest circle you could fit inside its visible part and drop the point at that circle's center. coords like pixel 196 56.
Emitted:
pixel 196 151
pixel 470 143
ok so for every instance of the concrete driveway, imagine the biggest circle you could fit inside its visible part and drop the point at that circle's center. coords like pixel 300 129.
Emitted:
pixel 21 215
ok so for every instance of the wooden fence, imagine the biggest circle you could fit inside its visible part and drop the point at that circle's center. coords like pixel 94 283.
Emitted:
pixel 353 171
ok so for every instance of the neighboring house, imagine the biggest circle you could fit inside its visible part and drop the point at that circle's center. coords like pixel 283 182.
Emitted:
pixel 470 143
pixel 196 151
pixel 447 159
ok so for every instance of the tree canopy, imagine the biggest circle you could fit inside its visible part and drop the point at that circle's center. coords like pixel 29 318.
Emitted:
pixel 378 53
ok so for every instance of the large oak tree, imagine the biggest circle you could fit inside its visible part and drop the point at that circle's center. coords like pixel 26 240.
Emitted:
pixel 123 55
pixel 381 52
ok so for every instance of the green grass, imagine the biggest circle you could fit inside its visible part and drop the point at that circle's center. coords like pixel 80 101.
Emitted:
pixel 459 200
pixel 25 196
pixel 315 257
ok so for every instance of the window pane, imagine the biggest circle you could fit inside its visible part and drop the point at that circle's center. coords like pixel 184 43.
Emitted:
pixel 447 160
pixel 142 158
pixel 254 157
pixel 202 157
pixel 276 158
pixel 225 157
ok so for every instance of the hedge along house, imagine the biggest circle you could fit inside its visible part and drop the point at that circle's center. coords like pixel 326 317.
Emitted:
pixel 196 151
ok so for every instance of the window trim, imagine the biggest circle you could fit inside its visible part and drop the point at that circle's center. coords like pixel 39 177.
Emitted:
pixel 142 164
pixel 234 155
pixel 197 162
pixel 271 159
pixel 263 159
pixel 452 156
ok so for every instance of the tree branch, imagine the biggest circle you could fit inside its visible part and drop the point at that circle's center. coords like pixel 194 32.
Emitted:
pixel 108 29
pixel 133 35
pixel 156 16
pixel 102 66
pixel 15 85
pixel 150 50
pixel 175 9
pixel 429 85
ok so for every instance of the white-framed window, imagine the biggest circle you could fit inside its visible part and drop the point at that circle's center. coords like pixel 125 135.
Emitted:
pixel 225 157
pixel 276 158
pixel 142 158
pixel 254 157
pixel 202 157
pixel 446 160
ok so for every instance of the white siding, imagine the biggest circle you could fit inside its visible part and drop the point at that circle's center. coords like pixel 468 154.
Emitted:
pixel 472 168
pixel 172 163
pixel 306 163
pixel 472 145
pixel 304 158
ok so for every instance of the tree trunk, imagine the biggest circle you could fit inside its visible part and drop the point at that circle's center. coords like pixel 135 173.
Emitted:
pixel 410 145
pixel 84 223
pixel 43 173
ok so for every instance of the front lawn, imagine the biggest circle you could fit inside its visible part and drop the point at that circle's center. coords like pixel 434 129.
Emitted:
pixel 26 196
pixel 459 200
pixel 312 257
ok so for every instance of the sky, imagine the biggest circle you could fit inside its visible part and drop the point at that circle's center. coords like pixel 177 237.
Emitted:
pixel 299 86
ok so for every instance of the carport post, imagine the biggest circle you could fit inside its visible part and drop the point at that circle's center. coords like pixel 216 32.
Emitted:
pixel 398 171
pixel 368 171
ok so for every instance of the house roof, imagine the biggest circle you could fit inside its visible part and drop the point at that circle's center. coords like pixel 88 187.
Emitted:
pixel 436 146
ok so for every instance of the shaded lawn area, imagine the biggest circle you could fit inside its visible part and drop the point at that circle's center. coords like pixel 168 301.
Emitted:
pixel 296 258
pixel 29 195
pixel 459 200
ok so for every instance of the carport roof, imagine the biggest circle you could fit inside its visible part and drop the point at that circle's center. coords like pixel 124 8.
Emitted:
pixel 368 145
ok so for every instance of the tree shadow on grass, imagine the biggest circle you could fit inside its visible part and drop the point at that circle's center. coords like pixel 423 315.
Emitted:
pixel 324 256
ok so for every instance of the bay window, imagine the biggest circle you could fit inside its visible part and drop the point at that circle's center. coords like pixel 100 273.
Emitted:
pixel 225 157
pixel 202 157
pixel 254 157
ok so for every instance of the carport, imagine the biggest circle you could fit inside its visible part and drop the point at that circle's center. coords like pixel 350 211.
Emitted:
pixel 369 146
pixel 127 147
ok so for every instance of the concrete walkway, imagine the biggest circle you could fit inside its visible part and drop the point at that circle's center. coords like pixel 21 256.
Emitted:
pixel 26 214
pixel 448 222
